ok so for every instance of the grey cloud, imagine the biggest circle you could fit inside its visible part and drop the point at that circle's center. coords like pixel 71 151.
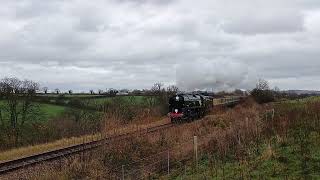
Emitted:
pixel 157 2
pixel 132 44
pixel 31 9
pixel 274 24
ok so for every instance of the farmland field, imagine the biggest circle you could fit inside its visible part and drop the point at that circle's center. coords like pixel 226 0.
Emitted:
pixel 60 117
pixel 48 111
pixel 52 111
pixel 93 101
pixel 128 99
pixel 69 95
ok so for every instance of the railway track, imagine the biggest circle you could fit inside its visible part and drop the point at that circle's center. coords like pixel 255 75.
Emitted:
pixel 16 164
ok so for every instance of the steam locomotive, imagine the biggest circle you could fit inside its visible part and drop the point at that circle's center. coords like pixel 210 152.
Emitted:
pixel 187 107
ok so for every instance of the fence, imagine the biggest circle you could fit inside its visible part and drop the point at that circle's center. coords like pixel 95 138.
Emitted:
pixel 177 161
pixel 164 163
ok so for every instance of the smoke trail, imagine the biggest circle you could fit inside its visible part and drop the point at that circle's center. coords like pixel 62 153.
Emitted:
pixel 219 74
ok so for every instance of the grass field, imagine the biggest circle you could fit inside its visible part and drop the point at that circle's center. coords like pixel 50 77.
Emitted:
pixel 69 95
pixel 128 99
pixel 277 161
pixel 48 111
pixel 93 101
pixel 52 111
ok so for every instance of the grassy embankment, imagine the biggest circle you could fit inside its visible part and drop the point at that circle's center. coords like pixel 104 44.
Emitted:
pixel 289 148
pixel 40 148
pixel 48 111
pixel 140 154
pixel 242 143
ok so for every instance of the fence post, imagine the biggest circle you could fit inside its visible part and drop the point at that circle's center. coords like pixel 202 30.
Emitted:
pixel 195 147
pixel 272 114
pixel 122 170
pixel 168 163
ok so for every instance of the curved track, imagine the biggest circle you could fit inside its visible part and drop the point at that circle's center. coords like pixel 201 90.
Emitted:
pixel 13 165
pixel 16 164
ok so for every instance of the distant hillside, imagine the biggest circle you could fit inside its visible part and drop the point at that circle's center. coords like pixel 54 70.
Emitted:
pixel 301 92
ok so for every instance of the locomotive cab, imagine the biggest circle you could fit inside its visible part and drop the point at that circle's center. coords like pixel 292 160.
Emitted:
pixel 186 106
pixel 176 108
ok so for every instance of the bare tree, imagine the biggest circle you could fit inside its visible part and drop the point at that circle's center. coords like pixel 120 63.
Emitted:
pixel 70 91
pixel 172 89
pixel 112 91
pixel 29 91
pixel 158 94
pixel 156 88
pixel 262 92
pixel 91 92
pixel 11 89
pixel 57 90
pixel 276 89
pixel 262 85
pixel 100 91
pixel 45 90
pixel 18 97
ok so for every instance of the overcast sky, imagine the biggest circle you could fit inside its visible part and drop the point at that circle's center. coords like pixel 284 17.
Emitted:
pixel 219 44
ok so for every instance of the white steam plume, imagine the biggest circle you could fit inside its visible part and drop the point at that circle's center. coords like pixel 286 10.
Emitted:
pixel 218 74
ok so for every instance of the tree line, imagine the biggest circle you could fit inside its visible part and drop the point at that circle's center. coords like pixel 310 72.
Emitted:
pixel 17 105
pixel 262 93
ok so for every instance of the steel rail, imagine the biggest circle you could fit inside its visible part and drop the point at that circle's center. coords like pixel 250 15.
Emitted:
pixel 16 164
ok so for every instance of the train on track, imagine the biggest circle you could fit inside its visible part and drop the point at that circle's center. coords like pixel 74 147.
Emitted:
pixel 187 107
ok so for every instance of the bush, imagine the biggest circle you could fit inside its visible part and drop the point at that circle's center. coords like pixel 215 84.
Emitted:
pixel 121 109
pixel 61 100
pixel 262 96
pixel 76 102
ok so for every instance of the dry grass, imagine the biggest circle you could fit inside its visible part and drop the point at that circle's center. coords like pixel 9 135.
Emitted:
pixel 268 153
pixel 217 133
pixel 222 133
pixel 115 129
pixel 41 148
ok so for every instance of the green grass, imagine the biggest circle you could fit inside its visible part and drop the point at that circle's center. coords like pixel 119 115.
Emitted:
pixel 96 100
pixel 69 95
pixel 81 95
pixel 128 99
pixel 47 111
pixel 304 100
pixel 286 163
pixel 52 111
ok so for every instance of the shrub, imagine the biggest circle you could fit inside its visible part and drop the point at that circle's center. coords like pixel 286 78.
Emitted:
pixel 262 96
pixel 76 102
